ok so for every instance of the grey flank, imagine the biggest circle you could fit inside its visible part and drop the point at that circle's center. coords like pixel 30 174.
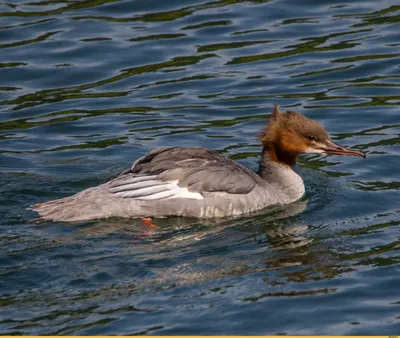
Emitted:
pixel 151 187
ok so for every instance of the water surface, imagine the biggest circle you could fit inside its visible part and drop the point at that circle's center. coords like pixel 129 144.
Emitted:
pixel 89 86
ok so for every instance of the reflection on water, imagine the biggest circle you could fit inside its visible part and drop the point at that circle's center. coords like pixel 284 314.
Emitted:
pixel 89 86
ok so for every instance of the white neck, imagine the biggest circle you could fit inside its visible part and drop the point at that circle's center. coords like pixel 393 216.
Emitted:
pixel 287 182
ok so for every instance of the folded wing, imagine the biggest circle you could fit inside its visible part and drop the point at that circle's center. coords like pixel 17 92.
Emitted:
pixel 177 172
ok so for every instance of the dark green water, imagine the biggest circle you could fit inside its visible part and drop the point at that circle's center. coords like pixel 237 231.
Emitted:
pixel 89 86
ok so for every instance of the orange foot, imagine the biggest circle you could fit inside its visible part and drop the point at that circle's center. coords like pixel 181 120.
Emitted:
pixel 148 221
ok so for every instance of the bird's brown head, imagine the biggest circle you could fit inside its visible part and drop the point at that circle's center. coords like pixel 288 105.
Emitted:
pixel 290 134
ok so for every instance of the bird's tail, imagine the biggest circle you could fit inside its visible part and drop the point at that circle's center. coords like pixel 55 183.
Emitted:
pixel 92 203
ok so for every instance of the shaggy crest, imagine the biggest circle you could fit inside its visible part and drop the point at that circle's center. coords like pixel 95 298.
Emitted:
pixel 279 123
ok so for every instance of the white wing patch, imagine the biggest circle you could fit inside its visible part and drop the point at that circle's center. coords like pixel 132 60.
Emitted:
pixel 148 187
pixel 185 193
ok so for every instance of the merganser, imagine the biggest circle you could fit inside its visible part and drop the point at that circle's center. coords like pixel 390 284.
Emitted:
pixel 199 182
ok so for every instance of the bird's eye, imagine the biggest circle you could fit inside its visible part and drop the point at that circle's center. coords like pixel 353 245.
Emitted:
pixel 311 137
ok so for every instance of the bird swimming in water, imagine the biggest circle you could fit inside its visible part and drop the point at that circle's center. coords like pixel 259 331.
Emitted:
pixel 199 182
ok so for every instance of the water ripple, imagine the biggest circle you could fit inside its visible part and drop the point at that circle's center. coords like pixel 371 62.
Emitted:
pixel 89 86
